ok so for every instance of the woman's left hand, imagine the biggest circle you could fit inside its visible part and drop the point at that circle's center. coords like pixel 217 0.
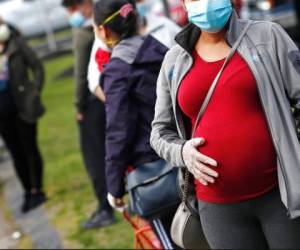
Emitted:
pixel 117 203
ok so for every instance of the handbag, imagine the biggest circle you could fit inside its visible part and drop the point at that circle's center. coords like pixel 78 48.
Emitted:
pixel 186 229
pixel 152 188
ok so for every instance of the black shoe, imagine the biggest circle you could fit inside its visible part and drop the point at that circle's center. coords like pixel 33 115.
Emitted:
pixel 33 201
pixel 99 219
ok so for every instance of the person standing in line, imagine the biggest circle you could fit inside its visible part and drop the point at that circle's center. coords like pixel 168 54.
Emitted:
pixel 90 111
pixel 245 153
pixel 20 109
pixel 129 83
pixel 161 28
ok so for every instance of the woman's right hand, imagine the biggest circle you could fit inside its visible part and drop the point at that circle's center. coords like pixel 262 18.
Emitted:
pixel 197 163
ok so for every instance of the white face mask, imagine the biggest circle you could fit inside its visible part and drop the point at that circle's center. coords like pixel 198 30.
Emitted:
pixel 4 33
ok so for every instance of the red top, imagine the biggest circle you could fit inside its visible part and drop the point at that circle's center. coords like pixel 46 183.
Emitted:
pixel 235 129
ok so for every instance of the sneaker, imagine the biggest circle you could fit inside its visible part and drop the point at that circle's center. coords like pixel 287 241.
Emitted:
pixel 99 219
pixel 33 201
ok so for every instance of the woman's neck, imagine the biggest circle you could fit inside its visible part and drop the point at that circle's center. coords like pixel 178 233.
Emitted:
pixel 213 46
pixel 213 38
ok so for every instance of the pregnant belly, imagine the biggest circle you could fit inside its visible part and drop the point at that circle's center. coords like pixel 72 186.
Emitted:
pixel 246 160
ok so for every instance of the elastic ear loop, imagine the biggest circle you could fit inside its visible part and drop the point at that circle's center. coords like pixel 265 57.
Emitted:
pixel 107 20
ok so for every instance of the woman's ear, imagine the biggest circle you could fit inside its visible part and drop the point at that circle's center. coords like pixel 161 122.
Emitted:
pixel 100 32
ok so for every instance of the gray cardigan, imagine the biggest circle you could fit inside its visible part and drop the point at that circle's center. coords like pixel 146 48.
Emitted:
pixel 274 60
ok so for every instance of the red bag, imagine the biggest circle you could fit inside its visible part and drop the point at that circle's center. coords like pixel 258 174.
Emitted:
pixel 144 237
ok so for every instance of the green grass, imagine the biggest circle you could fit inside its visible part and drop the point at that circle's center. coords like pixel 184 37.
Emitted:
pixel 66 182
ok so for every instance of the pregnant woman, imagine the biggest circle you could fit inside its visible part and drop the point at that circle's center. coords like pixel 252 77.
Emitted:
pixel 245 154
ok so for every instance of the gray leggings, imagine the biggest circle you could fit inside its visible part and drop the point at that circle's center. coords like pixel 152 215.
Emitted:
pixel 261 223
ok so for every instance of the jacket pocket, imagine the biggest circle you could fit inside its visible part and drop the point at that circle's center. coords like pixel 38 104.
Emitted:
pixel 29 102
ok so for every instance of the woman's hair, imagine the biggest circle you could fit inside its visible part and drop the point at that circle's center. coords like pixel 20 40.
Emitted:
pixel 123 27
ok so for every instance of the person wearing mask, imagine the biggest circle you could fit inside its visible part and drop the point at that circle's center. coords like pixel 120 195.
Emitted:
pixel 129 84
pixel 161 28
pixel 20 109
pixel 245 153
pixel 90 111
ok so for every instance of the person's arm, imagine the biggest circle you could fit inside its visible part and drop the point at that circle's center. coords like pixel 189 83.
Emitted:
pixel 166 141
pixel 83 42
pixel 164 136
pixel 34 64
pixel 288 57
pixel 121 119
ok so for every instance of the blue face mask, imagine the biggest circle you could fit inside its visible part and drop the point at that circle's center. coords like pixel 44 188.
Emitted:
pixel 143 9
pixel 77 20
pixel 209 15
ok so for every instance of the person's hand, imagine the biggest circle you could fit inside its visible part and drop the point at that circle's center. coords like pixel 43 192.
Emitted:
pixel 116 203
pixel 100 94
pixel 197 163
pixel 79 117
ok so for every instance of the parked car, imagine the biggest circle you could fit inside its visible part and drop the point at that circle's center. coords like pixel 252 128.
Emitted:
pixel 283 12
pixel 34 17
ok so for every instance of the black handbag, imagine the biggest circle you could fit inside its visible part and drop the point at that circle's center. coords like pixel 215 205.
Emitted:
pixel 153 188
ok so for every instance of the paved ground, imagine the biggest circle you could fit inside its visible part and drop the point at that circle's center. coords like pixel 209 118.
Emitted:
pixel 34 224
pixel 6 231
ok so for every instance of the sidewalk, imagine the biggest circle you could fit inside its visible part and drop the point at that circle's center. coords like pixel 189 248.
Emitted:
pixel 34 224
pixel 6 241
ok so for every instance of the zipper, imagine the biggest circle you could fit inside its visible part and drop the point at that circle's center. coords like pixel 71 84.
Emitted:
pixel 274 138
pixel 176 98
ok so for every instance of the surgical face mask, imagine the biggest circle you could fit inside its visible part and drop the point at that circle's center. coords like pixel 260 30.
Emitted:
pixel 143 8
pixel 4 33
pixel 77 20
pixel 209 15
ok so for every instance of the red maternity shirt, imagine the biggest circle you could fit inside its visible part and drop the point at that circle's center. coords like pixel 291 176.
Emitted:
pixel 235 129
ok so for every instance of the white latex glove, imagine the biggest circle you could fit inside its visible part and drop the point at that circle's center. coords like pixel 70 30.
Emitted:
pixel 116 203
pixel 197 163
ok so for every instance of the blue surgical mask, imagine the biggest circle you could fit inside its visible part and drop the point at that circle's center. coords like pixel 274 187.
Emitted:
pixel 77 20
pixel 143 9
pixel 209 15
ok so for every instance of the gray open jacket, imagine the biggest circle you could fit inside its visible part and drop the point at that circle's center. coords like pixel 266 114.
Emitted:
pixel 275 62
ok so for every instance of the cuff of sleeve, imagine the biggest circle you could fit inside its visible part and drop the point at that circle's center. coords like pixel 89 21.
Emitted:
pixel 117 193
pixel 181 153
pixel 79 108
pixel 177 154
pixel 116 188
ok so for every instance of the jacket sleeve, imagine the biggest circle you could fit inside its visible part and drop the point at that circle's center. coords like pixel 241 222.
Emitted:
pixel 34 64
pixel 83 42
pixel 288 56
pixel 164 136
pixel 121 119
